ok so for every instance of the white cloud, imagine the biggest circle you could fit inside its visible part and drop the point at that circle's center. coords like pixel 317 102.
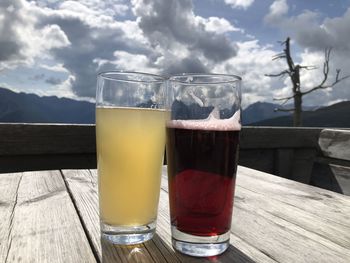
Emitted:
pixel 240 4
pixel 81 38
pixel 64 89
pixel 133 62
pixel 276 11
pixel 55 68
pixel 106 7
pixel 94 38
pixel 84 37
pixel 217 25
pixel 308 29
pixel 49 37
pixel 170 23
pixel 252 62
pixel 21 41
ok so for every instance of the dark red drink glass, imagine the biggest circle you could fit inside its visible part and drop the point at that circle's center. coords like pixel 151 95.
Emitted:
pixel 202 154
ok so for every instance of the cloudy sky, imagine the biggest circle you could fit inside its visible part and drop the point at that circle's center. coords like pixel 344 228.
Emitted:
pixel 56 47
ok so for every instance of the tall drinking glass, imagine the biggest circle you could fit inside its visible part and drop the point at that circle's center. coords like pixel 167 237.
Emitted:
pixel 202 154
pixel 130 138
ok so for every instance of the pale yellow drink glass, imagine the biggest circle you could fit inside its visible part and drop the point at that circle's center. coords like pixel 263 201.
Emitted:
pixel 130 138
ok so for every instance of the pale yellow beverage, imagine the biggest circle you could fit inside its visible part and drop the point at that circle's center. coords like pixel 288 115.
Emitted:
pixel 130 148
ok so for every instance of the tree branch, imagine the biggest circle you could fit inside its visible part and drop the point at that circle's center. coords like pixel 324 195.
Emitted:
pixel 281 42
pixel 327 55
pixel 337 80
pixel 308 67
pixel 286 98
pixel 278 74
pixel 278 56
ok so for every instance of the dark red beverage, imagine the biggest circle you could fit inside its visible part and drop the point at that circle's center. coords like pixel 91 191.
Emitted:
pixel 202 171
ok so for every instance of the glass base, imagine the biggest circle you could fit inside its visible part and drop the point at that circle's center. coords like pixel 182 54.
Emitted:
pixel 128 235
pixel 199 246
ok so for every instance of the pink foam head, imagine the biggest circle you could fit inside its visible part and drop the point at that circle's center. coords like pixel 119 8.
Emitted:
pixel 210 124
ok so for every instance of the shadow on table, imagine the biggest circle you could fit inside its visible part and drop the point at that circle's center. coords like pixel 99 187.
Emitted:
pixel 157 250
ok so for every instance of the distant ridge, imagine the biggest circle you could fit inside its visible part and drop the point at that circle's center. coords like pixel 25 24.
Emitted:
pixel 336 115
pixel 30 108
pixel 259 111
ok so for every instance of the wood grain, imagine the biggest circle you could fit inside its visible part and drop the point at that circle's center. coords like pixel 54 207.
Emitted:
pixel 319 202
pixel 40 162
pixel 83 188
pixel 335 143
pixel 283 231
pixel 283 163
pixel 44 226
pixel 303 160
pixel 342 176
pixel 259 159
pixel 32 147
pixel 239 251
pixel 28 139
pixel 275 220
pixel 32 139
pixel 279 137
pixel 8 201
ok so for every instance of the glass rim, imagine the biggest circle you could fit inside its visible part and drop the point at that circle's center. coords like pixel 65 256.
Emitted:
pixel 222 78
pixel 154 78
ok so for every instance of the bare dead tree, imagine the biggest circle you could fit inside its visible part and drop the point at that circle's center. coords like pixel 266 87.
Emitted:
pixel 293 72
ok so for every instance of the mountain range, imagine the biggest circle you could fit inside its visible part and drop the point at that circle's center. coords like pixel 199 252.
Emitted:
pixel 259 111
pixel 30 108
pixel 336 115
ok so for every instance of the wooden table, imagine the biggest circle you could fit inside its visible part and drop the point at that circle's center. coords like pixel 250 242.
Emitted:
pixel 52 216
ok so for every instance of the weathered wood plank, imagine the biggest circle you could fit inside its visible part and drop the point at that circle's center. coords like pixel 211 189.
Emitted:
pixel 283 162
pixel 342 176
pixel 281 240
pixel 327 160
pixel 279 137
pixel 27 147
pixel 29 139
pixel 20 163
pixel 316 201
pixel 159 249
pixel 334 177
pixel 272 226
pixel 259 159
pixel 275 220
pixel 335 143
pixel 298 225
pixel 44 226
pixel 303 160
pixel 8 195
pixel 323 177
pixel 83 188
pixel 263 226
pixel 239 251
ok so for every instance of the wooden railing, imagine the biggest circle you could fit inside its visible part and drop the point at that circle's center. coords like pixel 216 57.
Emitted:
pixel 26 147
pixel 316 156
